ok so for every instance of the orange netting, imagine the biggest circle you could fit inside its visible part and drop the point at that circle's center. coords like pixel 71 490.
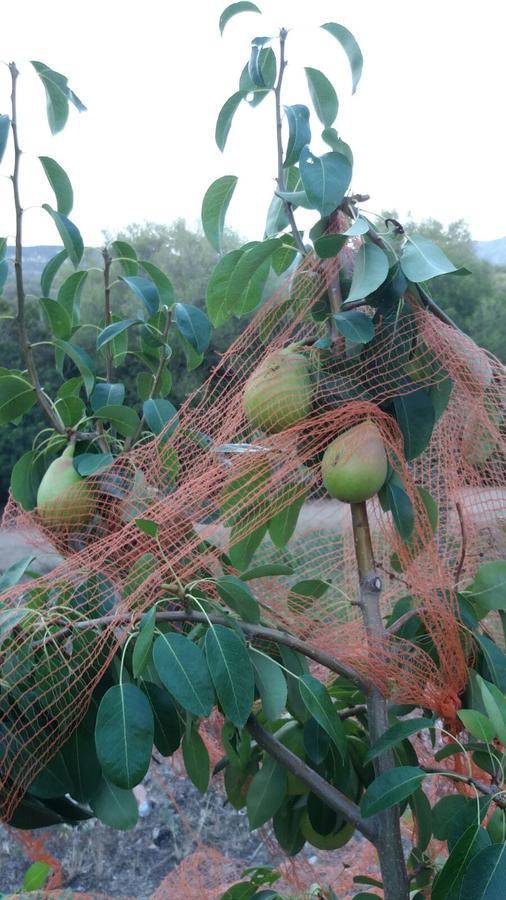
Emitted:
pixel 211 480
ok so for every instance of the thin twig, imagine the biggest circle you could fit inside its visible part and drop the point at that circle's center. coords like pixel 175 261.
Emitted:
pixel 325 791
pixel 499 797
pixel 107 313
pixel 156 380
pixel 463 549
pixel 279 142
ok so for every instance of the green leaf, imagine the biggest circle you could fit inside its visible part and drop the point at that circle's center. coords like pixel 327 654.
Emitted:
pixel 26 476
pixel 214 209
pixel 15 572
pixel 162 282
pixel 234 9
pixel 143 643
pixel 10 619
pixel 182 669
pixel 477 724
pixel 397 733
pixel 158 413
pixel 69 233
pixel 58 318
pixel 145 290
pixel 422 815
pixel 123 418
pixel 370 271
pixel 402 509
pixel 60 183
pixel 489 585
pixel 255 71
pixel 166 717
pixel 54 780
pixel 448 882
pixel 360 226
pixel 284 256
pixel 92 463
pixel 495 660
pixel 242 551
pixel 216 296
pixel 148 526
pixel 495 705
pixel 244 290
pixel 421 259
pixel 390 788
pixel 318 702
pixel 125 254
pixel 350 47
pixel 283 524
pixel 231 672
pixel 299 132
pixel 323 96
pixel 266 793
pixel 50 270
pixel 269 570
pixel 82 762
pixel 415 416
pixel 5 124
pixel 105 394
pixel 271 684
pixel 69 294
pixel 36 876
pixel 196 759
pixel 355 326
pixel 124 735
pixel 17 396
pixel 194 325
pixel 329 245
pixel 302 593
pixel 114 806
pixel 277 218
pixel 296 664
pixel 330 136
pixel 58 95
pixel 225 118
pixel 485 876
pixel 111 331
pixel 139 573
pixel 316 741
pixel 238 597
pixel 325 178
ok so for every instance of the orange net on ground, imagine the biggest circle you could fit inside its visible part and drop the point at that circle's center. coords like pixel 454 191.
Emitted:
pixel 212 482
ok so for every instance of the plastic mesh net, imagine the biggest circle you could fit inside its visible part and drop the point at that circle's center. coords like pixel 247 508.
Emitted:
pixel 212 481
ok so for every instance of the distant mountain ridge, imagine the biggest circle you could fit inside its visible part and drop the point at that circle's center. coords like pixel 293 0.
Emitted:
pixel 492 251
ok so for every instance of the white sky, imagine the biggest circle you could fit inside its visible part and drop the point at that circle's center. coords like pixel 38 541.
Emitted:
pixel 426 124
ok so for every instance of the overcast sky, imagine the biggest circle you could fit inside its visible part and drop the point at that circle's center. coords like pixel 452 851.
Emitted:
pixel 426 124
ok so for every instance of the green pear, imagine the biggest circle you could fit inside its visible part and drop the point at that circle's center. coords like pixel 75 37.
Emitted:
pixel 278 393
pixel 64 499
pixel 354 466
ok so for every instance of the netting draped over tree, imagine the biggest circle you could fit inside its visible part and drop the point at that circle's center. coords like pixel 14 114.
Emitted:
pixel 213 484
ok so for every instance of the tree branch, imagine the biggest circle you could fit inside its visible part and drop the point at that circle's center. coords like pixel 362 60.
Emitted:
pixel 499 797
pixel 279 142
pixel 107 313
pixel 325 791
pixel 42 399
pixel 156 380
pixel 259 631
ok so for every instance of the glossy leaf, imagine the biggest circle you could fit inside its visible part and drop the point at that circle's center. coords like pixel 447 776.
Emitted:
pixel 158 413
pixel 54 780
pixel 111 331
pixel 495 660
pixel 299 132
pixel 268 67
pixel 15 572
pixel 58 318
pixel 266 793
pixel 145 290
pixel 124 735
pixel 255 70
pixel 82 762
pixel 217 296
pixel 402 509
pixel 5 124
pixel 489 585
pixel 325 178
pixel 17 396
pixel 26 476
pixel 271 684
pixel 143 643
pixel 166 717
pixel 370 271
pixel 390 788
pixel 495 705
pixel 214 209
pixel 69 294
pixel 269 570
pixel 448 882
pixel 397 733
pixel 329 245
pixel 196 759
pixel 350 47
pixel 415 416
pixel 162 282
pixel 125 254
pixel 60 183
pixel 92 463
pixel 477 724
pixel 242 293
pixel 323 96
pixel 277 218
pixel 485 875
pixel 318 702
pixel 58 96
pixel 114 806
pixel 194 325
pixel 316 741
pixel 50 271
pixel 231 672
pixel 237 595
pixel 234 9
pixel 182 669
pixel 283 524
pixel 36 876
pixel 421 259
pixel 123 418
pixel 355 326
pixel 225 118
pixel 69 233
pixel 105 394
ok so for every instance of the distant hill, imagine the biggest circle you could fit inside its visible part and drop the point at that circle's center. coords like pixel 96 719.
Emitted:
pixel 492 251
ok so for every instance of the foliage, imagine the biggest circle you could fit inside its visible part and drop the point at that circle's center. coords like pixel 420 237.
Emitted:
pixel 298 752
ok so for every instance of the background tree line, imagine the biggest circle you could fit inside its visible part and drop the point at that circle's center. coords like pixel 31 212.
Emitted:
pixel 476 302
